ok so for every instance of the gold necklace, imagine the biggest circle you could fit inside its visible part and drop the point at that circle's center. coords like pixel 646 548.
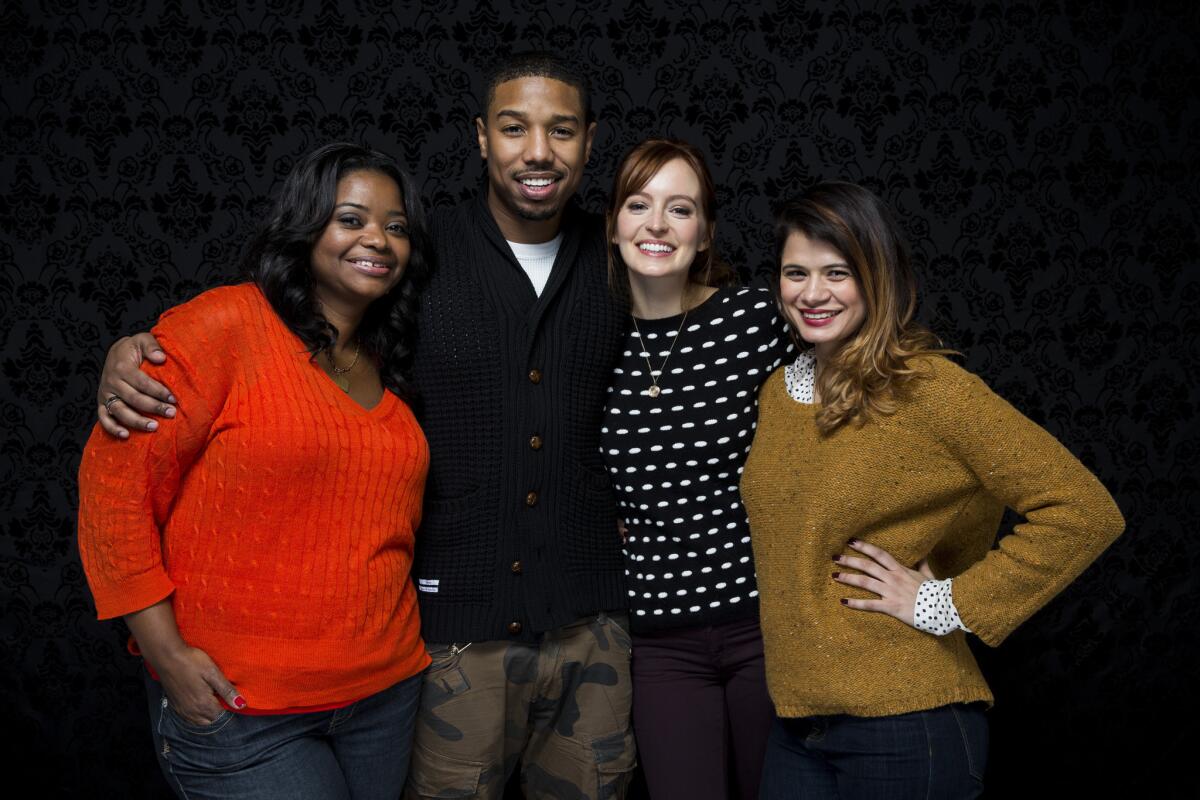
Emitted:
pixel 654 390
pixel 339 373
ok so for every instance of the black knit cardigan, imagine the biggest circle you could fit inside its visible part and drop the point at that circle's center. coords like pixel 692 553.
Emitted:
pixel 519 531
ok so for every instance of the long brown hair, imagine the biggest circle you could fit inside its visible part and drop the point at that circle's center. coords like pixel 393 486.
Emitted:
pixel 870 368
pixel 638 167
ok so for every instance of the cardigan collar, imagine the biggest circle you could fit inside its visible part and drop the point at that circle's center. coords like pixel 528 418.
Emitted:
pixel 574 225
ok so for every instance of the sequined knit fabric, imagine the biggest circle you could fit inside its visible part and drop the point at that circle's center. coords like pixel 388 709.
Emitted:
pixel 276 512
pixel 932 480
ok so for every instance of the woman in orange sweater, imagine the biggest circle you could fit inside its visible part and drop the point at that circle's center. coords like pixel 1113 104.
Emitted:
pixel 877 479
pixel 259 545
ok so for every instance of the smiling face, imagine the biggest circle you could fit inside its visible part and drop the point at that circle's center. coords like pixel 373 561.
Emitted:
pixel 536 141
pixel 660 227
pixel 819 294
pixel 361 254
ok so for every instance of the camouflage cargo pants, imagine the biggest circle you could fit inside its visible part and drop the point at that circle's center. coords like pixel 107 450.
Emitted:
pixel 559 707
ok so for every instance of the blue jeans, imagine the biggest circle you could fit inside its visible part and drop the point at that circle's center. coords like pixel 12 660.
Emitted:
pixel 939 753
pixel 359 752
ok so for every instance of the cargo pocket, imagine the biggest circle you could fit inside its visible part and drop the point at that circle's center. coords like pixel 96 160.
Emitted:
pixel 615 761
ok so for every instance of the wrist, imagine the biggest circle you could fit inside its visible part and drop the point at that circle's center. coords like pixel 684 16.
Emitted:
pixel 164 654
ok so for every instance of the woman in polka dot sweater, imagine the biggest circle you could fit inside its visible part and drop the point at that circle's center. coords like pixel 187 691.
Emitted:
pixel 680 418
pixel 879 475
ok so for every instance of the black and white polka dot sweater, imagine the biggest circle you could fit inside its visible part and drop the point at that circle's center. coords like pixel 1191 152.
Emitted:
pixel 676 459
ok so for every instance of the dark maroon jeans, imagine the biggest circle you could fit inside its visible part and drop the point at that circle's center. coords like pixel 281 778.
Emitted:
pixel 701 713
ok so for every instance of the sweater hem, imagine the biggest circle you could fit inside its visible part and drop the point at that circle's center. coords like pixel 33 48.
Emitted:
pixel 641 626
pixel 901 706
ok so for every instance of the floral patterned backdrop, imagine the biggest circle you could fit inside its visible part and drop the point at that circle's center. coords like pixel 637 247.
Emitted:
pixel 1041 155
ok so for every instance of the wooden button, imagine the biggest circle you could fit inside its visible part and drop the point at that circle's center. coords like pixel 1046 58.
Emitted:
pixel 535 376
pixel 531 499
pixel 535 442
pixel 514 628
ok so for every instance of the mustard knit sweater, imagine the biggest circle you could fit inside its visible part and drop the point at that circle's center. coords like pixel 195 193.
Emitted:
pixel 932 480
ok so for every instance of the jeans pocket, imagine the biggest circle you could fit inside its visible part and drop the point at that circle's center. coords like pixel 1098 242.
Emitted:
pixel 216 726
pixel 972 725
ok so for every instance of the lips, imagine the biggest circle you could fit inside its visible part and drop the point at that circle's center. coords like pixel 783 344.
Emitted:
pixel 655 249
pixel 538 186
pixel 818 318
pixel 375 267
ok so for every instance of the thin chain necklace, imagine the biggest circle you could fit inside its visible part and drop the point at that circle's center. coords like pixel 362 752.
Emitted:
pixel 339 373
pixel 654 390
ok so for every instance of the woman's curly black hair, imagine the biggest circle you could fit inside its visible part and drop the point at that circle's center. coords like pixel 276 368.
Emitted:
pixel 278 259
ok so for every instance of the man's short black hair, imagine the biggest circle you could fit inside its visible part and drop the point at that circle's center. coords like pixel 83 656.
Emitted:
pixel 536 64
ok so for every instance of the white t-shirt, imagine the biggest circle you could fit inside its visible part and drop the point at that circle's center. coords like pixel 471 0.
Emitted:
pixel 537 260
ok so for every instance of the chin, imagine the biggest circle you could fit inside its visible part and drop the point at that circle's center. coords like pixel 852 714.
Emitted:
pixel 537 214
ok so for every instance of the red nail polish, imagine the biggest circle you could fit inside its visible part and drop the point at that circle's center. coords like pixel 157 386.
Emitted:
pixel 845 602
pixel 836 574
pixel 853 541
pixel 239 702
pixel 837 558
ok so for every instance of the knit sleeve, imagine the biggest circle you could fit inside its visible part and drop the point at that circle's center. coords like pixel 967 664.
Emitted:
pixel 774 341
pixel 127 487
pixel 1069 517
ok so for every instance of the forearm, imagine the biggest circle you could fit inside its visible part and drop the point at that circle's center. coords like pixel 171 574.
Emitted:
pixel 156 632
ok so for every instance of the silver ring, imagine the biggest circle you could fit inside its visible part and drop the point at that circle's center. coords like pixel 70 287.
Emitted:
pixel 109 402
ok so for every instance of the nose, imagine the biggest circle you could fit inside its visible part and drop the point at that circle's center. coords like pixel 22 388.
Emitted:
pixel 372 236
pixel 537 148
pixel 815 291
pixel 657 221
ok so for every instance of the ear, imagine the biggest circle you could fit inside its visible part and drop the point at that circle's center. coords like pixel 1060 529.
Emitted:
pixel 588 138
pixel 481 135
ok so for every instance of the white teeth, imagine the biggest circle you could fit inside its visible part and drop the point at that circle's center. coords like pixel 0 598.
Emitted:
pixel 365 263
pixel 656 248
pixel 819 315
pixel 537 183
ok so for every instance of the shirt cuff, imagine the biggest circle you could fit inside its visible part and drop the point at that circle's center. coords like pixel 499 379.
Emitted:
pixel 934 611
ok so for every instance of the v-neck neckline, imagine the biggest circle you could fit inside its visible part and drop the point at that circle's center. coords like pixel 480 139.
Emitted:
pixel 342 398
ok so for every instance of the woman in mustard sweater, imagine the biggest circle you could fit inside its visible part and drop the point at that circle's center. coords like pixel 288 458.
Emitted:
pixel 259 545
pixel 875 487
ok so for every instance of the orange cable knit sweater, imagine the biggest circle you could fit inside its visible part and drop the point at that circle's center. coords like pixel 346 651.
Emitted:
pixel 276 512
pixel 930 480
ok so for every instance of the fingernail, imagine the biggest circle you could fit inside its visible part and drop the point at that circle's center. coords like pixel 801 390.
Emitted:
pixel 239 702
pixel 171 398
pixel 853 541
pixel 123 435
pixel 169 411
pixel 836 574
pixel 845 602
pixel 151 425
pixel 837 558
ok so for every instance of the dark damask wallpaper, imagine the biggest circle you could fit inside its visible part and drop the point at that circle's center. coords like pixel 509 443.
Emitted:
pixel 1042 156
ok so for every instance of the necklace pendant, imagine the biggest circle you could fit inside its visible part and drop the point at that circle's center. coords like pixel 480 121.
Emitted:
pixel 342 382
pixel 654 391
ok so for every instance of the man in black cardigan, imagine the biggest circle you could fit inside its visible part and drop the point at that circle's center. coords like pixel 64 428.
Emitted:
pixel 518 563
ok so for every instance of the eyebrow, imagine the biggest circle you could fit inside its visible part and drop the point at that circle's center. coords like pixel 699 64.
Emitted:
pixel 521 115
pixel 360 207
pixel 687 197
pixel 830 265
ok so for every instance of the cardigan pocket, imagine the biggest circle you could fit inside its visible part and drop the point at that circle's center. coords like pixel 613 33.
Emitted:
pixel 447 562
pixel 590 510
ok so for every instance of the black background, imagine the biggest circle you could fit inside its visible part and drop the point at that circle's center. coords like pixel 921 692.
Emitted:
pixel 1041 156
